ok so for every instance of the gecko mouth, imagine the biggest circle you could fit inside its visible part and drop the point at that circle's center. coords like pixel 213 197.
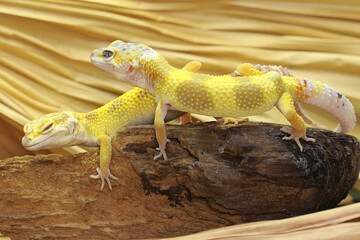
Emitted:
pixel 102 65
pixel 28 146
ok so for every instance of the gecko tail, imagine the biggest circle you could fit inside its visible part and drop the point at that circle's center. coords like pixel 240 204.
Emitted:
pixel 314 93
pixel 327 98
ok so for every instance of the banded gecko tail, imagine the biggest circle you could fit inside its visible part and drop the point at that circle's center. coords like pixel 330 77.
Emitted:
pixel 325 97
pixel 311 92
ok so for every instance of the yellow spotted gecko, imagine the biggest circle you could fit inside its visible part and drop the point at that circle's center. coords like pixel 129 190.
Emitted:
pixel 65 129
pixel 220 96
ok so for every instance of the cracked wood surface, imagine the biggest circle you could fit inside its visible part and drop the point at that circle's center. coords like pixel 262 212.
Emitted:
pixel 217 176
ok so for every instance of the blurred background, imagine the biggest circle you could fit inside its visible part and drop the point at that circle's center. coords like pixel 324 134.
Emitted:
pixel 45 47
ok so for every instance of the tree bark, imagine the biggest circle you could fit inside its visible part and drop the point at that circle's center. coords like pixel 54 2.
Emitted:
pixel 216 176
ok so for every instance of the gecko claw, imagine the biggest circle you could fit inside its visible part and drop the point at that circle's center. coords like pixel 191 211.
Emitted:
pixel 292 137
pixel 292 132
pixel 104 177
pixel 162 153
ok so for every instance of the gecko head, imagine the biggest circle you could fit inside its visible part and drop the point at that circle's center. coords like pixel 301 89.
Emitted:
pixel 54 130
pixel 121 58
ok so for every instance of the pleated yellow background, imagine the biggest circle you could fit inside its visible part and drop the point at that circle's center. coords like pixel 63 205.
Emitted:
pixel 45 46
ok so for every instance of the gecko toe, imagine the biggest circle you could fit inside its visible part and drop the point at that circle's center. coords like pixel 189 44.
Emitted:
pixel 158 155
pixel 102 184
pixel 162 153
pixel 104 177
pixel 96 176
pixel 112 176
pixel 108 182
pixel 296 139
pixel 309 139
pixel 299 144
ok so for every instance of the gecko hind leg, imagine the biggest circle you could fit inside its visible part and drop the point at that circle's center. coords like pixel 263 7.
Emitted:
pixel 192 66
pixel 186 118
pixel 285 104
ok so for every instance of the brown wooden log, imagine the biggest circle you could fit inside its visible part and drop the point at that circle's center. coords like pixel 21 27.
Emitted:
pixel 216 176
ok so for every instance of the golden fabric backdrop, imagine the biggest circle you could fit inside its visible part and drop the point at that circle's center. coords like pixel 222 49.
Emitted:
pixel 45 67
pixel 45 46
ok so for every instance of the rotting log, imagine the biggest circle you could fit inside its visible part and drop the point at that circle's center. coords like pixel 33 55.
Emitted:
pixel 217 176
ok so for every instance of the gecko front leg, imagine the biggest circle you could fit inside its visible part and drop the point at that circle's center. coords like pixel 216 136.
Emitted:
pixel 159 123
pixel 161 111
pixel 192 66
pixel 105 157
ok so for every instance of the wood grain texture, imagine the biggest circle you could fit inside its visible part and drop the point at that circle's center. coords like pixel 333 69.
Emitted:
pixel 217 176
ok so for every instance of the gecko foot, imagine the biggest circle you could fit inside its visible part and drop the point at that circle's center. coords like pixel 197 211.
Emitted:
pixel 162 152
pixel 103 177
pixel 230 120
pixel 293 132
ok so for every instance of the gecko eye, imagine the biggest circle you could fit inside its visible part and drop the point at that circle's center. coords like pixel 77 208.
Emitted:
pixel 48 127
pixel 108 54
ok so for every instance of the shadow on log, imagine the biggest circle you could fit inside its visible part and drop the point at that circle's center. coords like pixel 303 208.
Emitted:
pixel 217 176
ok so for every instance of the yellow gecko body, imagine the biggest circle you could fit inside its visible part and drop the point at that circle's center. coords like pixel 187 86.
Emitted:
pixel 223 96
pixel 219 96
